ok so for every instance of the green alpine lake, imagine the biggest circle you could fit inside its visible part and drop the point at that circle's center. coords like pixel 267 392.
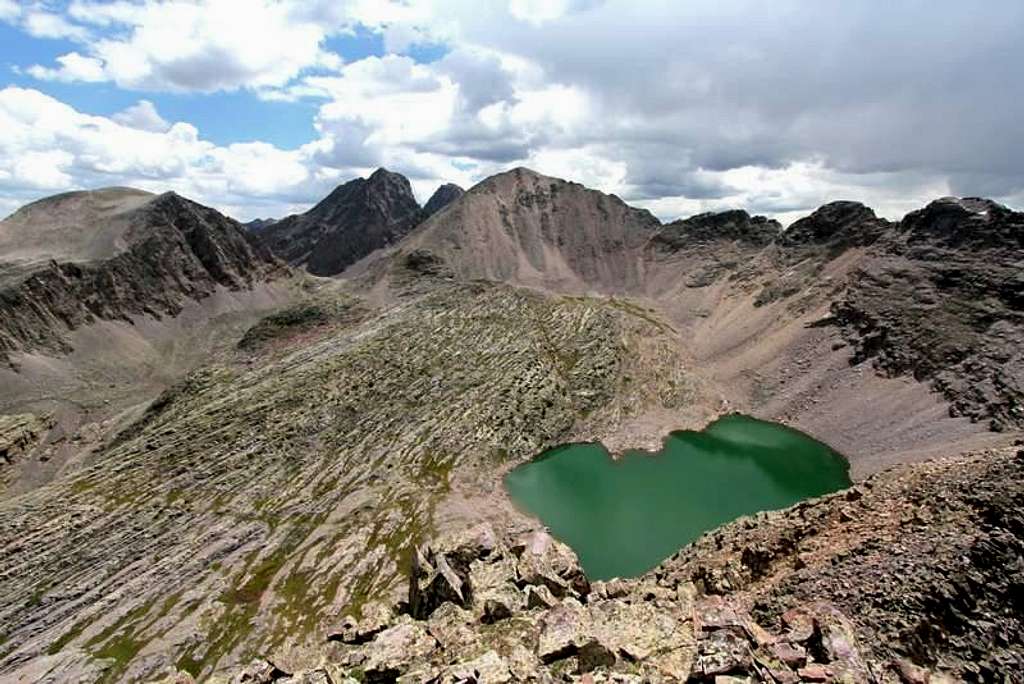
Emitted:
pixel 624 516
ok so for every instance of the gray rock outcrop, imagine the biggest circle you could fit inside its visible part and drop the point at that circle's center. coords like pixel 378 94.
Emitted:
pixel 357 218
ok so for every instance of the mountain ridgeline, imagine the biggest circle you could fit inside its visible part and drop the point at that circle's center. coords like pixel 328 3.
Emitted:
pixel 114 254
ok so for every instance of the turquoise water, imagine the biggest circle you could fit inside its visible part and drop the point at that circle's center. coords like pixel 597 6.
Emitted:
pixel 623 517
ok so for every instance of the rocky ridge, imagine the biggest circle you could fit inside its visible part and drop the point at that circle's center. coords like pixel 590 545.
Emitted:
pixel 357 218
pixel 256 225
pixel 713 227
pixel 941 298
pixel 170 250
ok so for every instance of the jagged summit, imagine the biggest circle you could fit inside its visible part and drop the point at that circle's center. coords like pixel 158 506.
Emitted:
pixel 355 219
pixel 966 221
pixel 849 223
pixel 442 197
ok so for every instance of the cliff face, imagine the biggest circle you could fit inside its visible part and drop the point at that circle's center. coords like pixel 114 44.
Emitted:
pixel 941 298
pixel 357 218
pixel 156 254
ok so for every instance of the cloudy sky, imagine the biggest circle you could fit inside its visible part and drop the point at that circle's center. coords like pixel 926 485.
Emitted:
pixel 260 107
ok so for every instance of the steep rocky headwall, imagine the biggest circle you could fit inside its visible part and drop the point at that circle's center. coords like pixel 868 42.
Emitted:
pixel 941 298
pixel 357 218
pixel 175 250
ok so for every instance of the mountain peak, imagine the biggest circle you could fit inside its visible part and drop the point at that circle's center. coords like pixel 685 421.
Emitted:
pixel 383 176
pixel 442 197
pixel 160 250
pixel 955 221
pixel 526 228
pixel 843 221
pixel 358 217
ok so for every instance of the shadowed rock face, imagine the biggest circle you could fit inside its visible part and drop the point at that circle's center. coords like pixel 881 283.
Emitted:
pixel 257 225
pixel 158 253
pixel 941 298
pixel 735 225
pixel 442 197
pixel 357 218
pixel 845 224
pixel 968 222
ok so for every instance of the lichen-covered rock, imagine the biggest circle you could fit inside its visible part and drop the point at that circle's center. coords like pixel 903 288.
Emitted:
pixel 376 616
pixel 544 561
pixel 397 650
pixel 490 668
pixel 563 629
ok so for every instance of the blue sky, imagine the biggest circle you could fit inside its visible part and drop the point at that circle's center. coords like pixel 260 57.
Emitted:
pixel 222 118
pixel 260 107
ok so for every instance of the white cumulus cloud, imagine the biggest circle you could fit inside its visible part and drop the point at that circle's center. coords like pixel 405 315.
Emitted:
pixel 45 145
pixel 48 25
pixel 72 67
pixel 144 116
pixel 205 46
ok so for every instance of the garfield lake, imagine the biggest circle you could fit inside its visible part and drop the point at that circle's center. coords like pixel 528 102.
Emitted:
pixel 624 516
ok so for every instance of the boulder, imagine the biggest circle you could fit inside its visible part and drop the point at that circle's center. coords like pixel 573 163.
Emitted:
pixel 396 650
pixel 563 629
pixel 544 561
pixel 376 617
pixel 259 671
pixel 490 668
pixel 721 652
pixel 540 597
pixel 442 571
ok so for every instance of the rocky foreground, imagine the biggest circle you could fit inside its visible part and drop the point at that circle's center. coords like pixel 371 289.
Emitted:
pixel 913 576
